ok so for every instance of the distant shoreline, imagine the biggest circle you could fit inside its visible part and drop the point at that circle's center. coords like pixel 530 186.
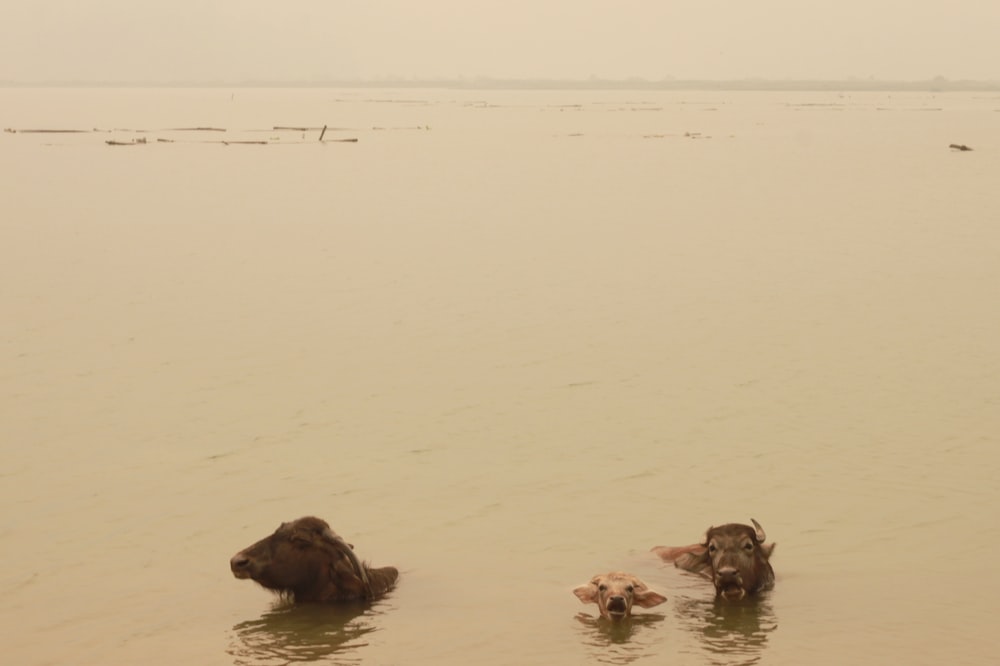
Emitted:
pixel 937 84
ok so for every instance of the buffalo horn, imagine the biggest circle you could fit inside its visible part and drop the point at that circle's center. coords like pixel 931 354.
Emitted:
pixel 760 531
pixel 345 547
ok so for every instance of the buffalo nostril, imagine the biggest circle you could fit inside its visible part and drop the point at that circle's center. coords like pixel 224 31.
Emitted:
pixel 727 572
pixel 239 562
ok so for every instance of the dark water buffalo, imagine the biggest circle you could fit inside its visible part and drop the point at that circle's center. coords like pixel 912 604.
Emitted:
pixel 307 561
pixel 614 593
pixel 733 556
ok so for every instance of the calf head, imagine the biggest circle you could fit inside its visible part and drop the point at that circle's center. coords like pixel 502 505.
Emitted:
pixel 615 593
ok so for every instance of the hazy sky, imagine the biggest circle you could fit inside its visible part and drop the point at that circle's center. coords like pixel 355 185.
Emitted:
pixel 237 40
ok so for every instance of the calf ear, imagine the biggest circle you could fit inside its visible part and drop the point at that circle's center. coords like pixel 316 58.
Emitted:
pixel 696 561
pixel 688 554
pixel 693 558
pixel 587 593
pixel 647 598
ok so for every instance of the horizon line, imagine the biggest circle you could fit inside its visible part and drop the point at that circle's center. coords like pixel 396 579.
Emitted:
pixel 933 84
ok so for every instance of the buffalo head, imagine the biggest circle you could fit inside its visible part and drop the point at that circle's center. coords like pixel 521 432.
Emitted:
pixel 614 593
pixel 733 556
pixel 308 561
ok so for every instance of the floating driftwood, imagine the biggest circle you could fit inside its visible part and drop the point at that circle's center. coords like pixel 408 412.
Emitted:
pixel 118 141
pixel 48 131
pixel 959 146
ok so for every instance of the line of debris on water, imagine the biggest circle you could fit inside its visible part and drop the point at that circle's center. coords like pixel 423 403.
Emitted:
pixel 323 130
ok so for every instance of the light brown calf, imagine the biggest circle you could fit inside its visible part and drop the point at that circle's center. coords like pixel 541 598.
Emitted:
pixel 615 592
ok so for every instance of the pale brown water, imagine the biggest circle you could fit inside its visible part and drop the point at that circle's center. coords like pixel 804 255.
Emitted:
pixel 504 342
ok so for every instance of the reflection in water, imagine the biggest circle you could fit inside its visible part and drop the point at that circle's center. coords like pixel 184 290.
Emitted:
pixel 730 632
pixel 300 633
pixel 618 642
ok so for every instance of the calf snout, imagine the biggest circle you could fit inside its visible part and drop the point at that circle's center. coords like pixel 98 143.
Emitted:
pixel 617 605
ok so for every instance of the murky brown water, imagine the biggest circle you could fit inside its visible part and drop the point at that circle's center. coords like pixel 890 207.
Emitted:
pixel 504 342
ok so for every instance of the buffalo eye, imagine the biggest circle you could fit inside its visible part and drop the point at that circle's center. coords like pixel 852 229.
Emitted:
pixel 630 589
pixel 711 548
pixel 602 587
pixel 748 546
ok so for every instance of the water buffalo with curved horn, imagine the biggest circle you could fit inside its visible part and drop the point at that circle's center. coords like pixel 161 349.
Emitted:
pixel 308 561
pixel 732 556
pixel 616 592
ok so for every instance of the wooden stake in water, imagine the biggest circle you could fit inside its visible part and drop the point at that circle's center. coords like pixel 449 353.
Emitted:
pixel 322 133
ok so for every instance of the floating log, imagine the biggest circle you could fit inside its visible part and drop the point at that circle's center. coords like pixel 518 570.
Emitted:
pixel 133 142
pixel 51 131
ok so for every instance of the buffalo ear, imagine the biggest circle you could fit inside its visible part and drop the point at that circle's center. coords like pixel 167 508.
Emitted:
pixel 647 598
pixel 767 550
pixel 301 537
pixel 587 593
